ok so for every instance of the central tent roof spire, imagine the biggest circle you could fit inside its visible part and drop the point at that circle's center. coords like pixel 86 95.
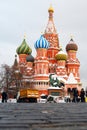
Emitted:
pixel 50 26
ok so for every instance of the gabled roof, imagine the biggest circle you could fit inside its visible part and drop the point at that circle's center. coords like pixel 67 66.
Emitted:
pixel 71 79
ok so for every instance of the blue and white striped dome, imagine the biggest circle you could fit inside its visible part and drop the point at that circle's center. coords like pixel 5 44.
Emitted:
pixel 41 43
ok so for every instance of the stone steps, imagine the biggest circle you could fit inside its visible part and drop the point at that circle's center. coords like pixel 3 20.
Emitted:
pixel 50 116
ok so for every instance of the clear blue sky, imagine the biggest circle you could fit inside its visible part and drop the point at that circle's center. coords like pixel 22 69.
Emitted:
pixel 30 16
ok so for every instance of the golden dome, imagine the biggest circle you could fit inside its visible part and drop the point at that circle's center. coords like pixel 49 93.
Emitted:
pixel 50 9
pixel 61 56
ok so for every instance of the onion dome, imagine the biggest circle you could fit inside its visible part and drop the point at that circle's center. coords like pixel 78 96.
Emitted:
pixel 71 46
pixel 51 9
pixel 24 48
pixel 30 58
pixel 61 55
pixel 41 43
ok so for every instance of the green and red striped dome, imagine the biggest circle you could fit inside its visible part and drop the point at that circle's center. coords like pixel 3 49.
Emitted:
pixel 24 48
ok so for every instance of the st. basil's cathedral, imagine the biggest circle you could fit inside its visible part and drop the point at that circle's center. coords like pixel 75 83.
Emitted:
pixel 49 59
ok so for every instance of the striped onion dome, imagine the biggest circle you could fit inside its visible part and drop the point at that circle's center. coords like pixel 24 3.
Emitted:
pixel 24 48
pixel 30 58
pixel 41 43
pixel 61 55
pixel 71 46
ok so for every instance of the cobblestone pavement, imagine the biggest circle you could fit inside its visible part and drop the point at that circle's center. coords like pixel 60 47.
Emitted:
pixel 37 116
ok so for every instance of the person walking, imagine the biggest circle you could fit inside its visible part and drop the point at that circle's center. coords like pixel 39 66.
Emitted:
pixel 82 95
pixel 4 97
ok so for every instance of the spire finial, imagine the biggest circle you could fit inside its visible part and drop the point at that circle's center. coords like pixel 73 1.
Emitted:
pixel 71 37
pixel 15 61
pixel 51 5
pixel 50 8
pixel 60 47
pixel 42 33
pixel 15 56
pixel 24 35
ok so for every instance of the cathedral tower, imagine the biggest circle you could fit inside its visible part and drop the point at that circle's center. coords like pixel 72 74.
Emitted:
pixel 41 77
pixel 51 35
pixel 73 63
pixel 23 51
pixel 61 58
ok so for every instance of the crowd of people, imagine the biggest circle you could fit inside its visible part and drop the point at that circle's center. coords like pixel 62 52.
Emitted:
pixel 78 97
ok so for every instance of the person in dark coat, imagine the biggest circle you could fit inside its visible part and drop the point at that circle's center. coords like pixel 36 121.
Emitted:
pixel 4 97
pixel 75 95
pixel 82 95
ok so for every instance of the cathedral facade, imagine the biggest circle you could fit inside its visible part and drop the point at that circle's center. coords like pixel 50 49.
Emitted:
pixel 49 59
